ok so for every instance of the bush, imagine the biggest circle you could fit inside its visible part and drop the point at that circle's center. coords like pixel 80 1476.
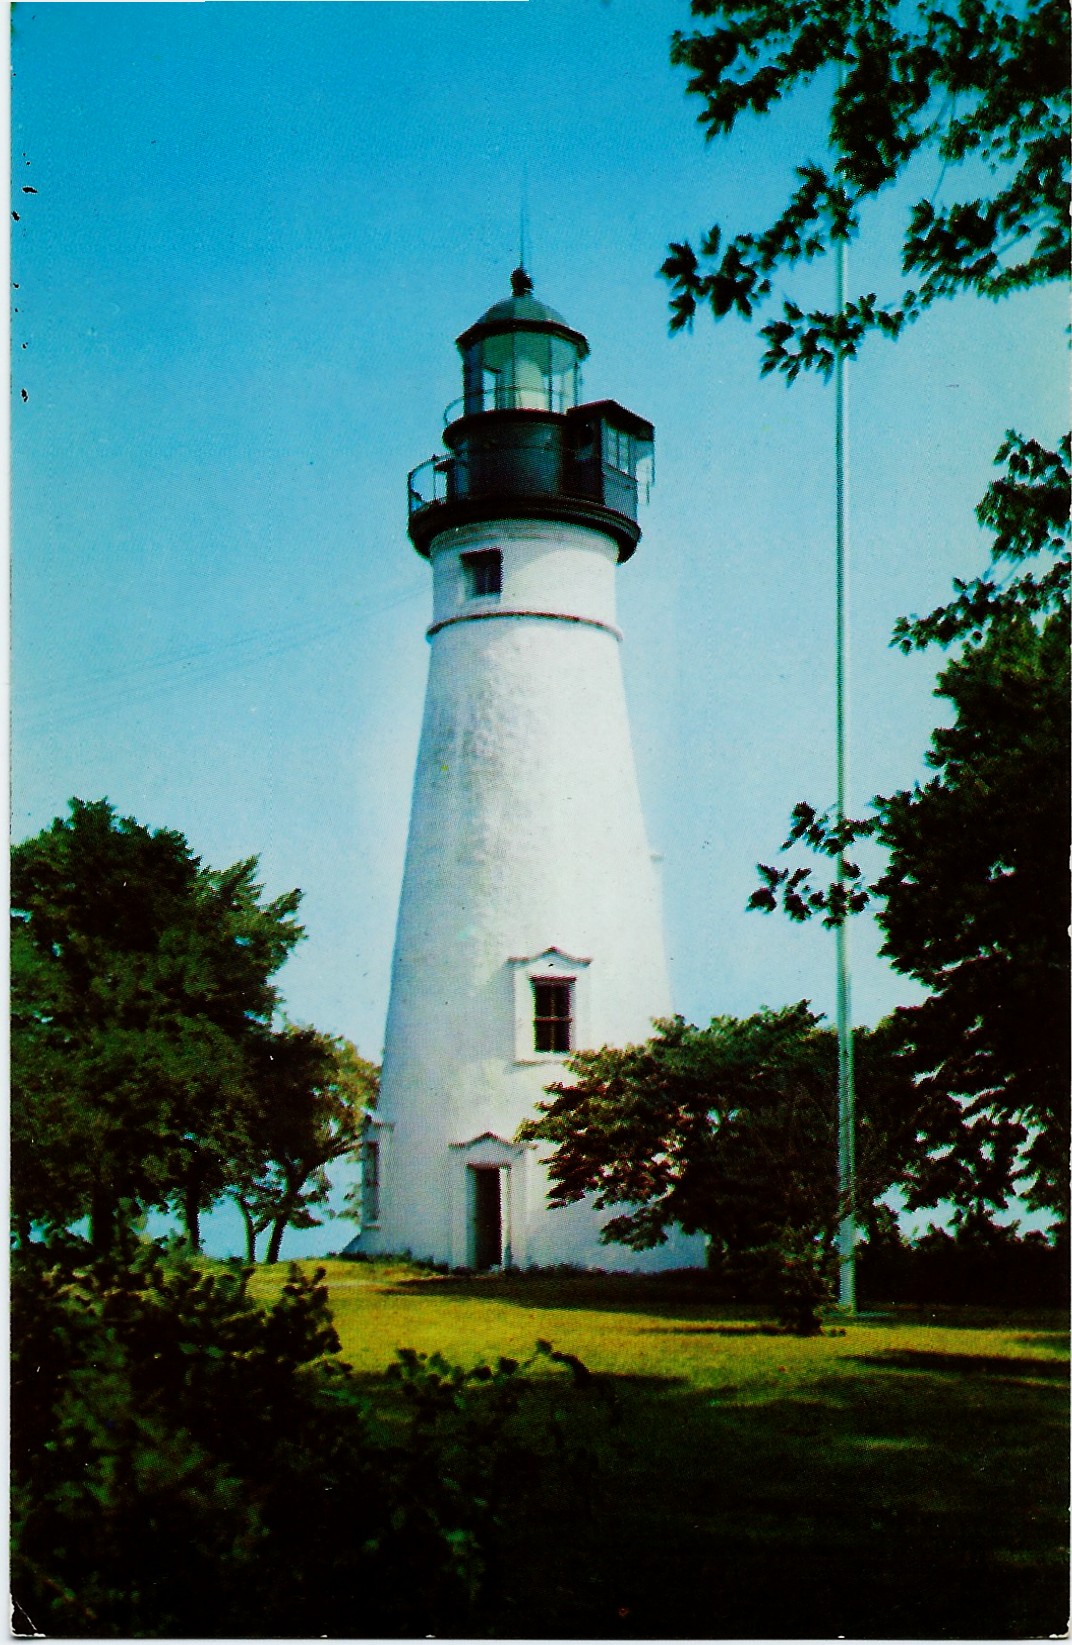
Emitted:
pixel 186 1463
pixel 981 1264
pixel 798 1275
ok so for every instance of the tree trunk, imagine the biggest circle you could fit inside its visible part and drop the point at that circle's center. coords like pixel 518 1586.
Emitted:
pixel 101 1221
pixel 251 1230
pixel 295 1174
pixel 278 1230
pixel 191 1215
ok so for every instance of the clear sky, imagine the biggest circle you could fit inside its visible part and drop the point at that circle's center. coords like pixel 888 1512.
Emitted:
pixel 257 230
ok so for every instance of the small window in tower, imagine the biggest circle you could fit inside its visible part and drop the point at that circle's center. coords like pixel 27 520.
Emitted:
pixel 483 573
pixel 370 1182
pixel 553 1019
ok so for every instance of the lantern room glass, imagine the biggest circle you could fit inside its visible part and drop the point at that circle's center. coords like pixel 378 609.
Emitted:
pixel 520 370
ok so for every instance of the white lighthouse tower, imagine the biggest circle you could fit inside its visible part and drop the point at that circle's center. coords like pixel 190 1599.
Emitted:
pixel 530 922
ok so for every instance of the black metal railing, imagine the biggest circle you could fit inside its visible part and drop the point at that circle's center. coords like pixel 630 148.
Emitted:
pixel 524 471
pixel 429 483
pixel 503 397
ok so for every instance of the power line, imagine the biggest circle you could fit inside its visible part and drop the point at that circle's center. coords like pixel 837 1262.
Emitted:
pixel 102 691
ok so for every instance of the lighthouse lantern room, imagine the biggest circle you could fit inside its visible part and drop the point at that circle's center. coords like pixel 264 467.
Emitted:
pixel 529 925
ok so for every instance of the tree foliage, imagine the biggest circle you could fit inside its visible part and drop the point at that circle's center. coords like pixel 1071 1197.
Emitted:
pixel 968 104
pixel 312 1094
pixel 979 86
pixel 731 1131
pixel 979 1262
pixel 971 900
pixel 149 1070
pixel 140 980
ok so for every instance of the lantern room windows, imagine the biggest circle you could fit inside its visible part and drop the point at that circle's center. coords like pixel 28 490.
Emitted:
pixel 521 370
pixel 618 448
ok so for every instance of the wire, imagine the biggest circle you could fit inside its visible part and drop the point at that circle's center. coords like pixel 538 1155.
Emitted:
pixel 105 690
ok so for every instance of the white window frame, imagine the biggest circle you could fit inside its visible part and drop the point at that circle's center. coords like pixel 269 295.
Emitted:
pixel 552 965
pixel 381 1133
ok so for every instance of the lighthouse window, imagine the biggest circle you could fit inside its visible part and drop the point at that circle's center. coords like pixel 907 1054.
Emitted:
pixel 617 448
pixel 370 1182
pixel 553 1021
pixel 483 573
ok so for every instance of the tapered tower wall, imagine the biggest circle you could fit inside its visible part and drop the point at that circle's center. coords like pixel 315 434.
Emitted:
pixel 527 857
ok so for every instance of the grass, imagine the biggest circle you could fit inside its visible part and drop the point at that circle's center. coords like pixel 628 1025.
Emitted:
pixel 905 1478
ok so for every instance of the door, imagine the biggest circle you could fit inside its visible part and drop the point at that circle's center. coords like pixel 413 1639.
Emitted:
pixel 487 1236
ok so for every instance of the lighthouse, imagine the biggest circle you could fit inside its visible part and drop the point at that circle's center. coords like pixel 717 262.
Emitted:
pixel 530 923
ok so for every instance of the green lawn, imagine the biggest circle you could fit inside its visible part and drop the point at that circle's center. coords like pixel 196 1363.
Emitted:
pixel 905 1479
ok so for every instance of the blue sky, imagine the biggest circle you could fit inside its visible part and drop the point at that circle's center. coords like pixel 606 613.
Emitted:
pixel 257 230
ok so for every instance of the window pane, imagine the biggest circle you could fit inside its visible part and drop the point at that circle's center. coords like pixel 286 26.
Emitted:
pixel 553 1014
pixel 552 999
pixel 483 573
pixel 370 1182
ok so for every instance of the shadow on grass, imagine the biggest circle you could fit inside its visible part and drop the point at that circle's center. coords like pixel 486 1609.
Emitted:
pixel 880 1505
pixel 660 1295
pixel 1047 1339
pixel 694 1296
pixel 986 1365
pixel 716 1331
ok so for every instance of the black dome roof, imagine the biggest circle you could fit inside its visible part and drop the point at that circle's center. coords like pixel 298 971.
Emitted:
pixel 522 312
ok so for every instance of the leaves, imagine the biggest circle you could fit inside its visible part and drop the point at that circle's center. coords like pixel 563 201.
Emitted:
pixel 976 85
pixel 728 1130
pixel 968 901
pixel 1027 508
pixel 141 982
pixel 970 904
pixel 186 1463
pixel 313 1092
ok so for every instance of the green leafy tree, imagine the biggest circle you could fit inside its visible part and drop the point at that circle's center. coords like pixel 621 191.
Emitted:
pixel 141 989
pixel 968 104
pixel 313 1092
pixel 971 902
pixel 730 1131
pixel 979 88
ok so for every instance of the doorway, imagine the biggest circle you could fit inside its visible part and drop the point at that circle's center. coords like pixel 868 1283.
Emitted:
pixel 487 1221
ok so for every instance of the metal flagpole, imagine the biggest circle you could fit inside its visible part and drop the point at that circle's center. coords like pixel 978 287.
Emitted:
pixel 846 1082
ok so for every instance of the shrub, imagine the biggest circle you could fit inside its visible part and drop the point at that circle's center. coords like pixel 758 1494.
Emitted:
pixel 978 1264
pixel 187 1463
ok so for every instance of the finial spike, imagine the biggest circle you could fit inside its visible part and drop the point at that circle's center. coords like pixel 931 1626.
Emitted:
pixel 524 224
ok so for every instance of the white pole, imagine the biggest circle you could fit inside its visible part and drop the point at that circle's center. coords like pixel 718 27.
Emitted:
pixel 846 1082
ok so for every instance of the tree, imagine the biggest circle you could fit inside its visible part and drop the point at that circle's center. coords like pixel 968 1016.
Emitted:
pixel 980 86
pixel 313 1094
pixel 729 1131
pixel 971 900
pixel 141 986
